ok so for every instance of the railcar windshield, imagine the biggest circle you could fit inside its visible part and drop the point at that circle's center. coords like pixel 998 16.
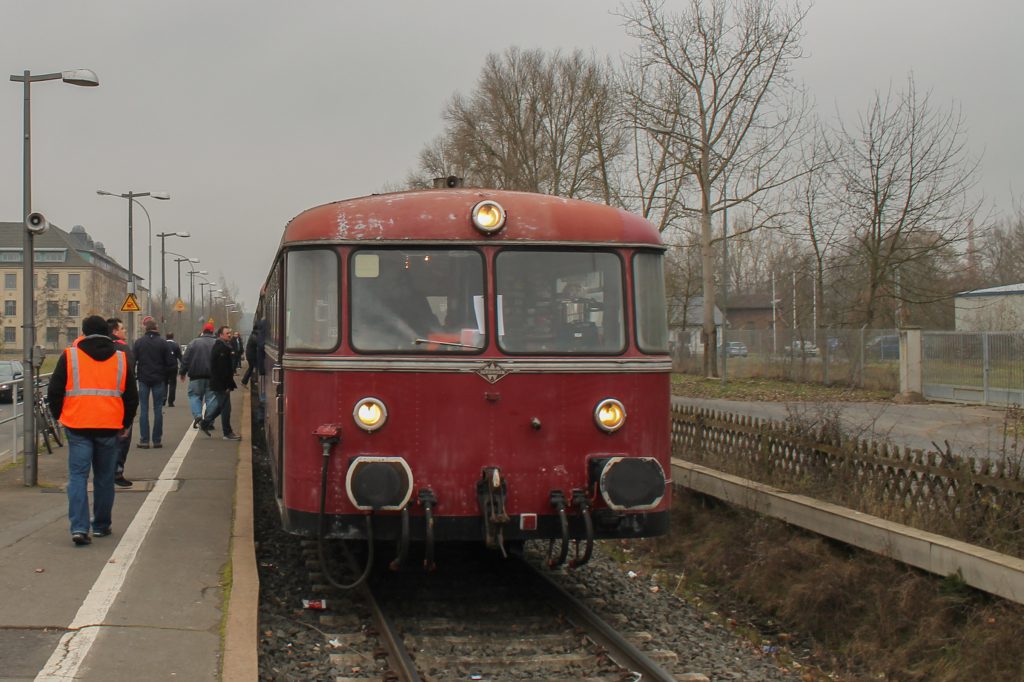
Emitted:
pixel 649 294
pixel 417 300
pixel 559 301
pixel 312 300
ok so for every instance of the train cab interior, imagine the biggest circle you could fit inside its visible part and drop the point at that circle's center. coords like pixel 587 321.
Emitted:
pixel 422 300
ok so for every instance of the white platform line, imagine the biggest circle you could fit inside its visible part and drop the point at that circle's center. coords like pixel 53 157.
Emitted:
pixel 74 646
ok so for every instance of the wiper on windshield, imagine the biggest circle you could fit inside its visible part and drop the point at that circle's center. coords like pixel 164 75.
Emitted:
pixel 448 343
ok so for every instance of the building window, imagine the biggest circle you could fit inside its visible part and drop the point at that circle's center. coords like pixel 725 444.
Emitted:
pixel 53 280
pixel 10 334
pixel 10 307
pixel 53 335
pixel 73 309
pixel 10 256
pixel 53 308
pixel 71 334
pixel 10 281
pixel 51 256
pixel 74 281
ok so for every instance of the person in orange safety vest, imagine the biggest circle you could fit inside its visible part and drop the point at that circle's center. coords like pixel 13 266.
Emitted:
pixel 93 393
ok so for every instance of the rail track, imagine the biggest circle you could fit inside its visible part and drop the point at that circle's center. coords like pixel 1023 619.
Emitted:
pixel 475 618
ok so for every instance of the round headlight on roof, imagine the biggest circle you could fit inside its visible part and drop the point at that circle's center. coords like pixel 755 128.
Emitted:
pixel 370 414
pixel 488 216
pixel 609 415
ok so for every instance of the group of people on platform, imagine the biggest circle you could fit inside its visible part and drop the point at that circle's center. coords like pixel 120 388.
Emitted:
pixel 99 384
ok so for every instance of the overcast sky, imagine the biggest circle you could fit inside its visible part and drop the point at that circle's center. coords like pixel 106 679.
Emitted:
pixel 248 113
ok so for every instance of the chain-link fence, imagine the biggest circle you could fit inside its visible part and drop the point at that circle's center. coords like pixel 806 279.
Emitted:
pixel 973 367
pixel 869 358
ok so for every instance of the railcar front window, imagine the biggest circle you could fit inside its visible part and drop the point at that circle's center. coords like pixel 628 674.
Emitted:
pixel 559 302
pixel 311 300
pixel 417 300
pixel 649 294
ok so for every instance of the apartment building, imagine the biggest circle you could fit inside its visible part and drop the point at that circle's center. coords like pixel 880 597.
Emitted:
pixel 74 277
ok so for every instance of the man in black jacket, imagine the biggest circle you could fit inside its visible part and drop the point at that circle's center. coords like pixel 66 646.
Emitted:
pixel 153 360
pixel 172 376
pixel 119 335
pixel 222 382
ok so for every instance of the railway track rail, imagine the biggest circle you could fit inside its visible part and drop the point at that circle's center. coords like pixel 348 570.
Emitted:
pixel 477 619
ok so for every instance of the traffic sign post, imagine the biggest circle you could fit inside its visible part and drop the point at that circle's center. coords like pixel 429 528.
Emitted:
pixel 131 304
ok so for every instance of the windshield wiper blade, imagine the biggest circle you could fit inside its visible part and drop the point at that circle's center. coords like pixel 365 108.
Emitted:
pixel 448 343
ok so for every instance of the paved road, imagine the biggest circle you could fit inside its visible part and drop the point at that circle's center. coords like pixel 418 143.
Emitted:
pixel 971 430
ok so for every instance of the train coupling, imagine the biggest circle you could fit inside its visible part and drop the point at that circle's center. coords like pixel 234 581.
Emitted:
pixel 491 495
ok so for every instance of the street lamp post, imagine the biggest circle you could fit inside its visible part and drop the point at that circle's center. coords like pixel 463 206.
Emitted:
pixel 83 77
pixel 163 274
pixel 192 287
pixel 202 296
pixel 179 260
pixel 133 198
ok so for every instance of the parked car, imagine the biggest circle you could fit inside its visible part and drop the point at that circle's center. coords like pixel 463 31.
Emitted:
pixel 735 349
pixel 10 377
pixel 803 348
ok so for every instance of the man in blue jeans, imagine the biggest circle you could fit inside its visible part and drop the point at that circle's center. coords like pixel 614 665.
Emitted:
pixel 92 392
pixel 196 365
pixel 153 360
pixel 222 382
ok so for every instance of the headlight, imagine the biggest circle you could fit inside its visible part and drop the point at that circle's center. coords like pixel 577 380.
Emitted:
pixel 488 216
pixel 370 414
pixel 610 415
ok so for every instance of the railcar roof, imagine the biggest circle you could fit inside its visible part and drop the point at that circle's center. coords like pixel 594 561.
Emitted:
pixel 444 214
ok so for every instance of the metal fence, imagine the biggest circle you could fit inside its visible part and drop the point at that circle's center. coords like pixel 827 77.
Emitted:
pixel 973 367
pixel 12 440
pixel 859 357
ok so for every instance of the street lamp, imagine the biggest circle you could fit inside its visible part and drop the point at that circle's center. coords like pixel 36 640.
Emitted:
pixel 83 77
pixel 202 296
pixel 133 198
pixel 192 287
pixel 181 258
pixel 163 275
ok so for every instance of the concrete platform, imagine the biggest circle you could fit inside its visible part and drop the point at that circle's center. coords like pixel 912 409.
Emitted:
pixel 148 602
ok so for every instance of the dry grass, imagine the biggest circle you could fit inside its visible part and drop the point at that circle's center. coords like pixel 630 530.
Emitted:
pixel 864 616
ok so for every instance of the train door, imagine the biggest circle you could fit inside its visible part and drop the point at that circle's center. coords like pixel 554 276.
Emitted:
pixel 272 389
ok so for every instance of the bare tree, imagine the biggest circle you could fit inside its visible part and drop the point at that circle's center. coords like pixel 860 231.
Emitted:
pixel 717 92
pixel 904 180
pixel 535 122
pixel 1002 249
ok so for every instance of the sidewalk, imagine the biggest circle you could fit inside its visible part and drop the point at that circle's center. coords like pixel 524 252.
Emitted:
pixel 147 602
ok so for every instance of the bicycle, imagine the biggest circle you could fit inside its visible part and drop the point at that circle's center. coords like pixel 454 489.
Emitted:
pixel 45 423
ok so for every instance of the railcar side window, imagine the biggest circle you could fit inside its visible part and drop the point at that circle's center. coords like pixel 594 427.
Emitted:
pixel 649 294
pixel 417 300
pixel 311 300
pixel 559 302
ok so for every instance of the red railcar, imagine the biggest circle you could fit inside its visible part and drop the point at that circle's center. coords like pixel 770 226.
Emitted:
pixel 468 364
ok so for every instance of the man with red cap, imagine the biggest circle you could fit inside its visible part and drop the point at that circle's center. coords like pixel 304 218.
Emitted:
pixel 196 365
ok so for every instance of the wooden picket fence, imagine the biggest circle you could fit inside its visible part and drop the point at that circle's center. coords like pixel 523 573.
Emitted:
pixel 971 499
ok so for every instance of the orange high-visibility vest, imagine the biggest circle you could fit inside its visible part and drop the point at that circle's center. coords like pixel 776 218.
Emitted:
pixel 92 394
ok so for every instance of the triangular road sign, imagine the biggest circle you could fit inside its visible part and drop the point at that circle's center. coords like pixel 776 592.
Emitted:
pixel 131 304
pixel 179 306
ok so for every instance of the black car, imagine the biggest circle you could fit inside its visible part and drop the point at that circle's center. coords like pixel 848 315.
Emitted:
pixel 10 376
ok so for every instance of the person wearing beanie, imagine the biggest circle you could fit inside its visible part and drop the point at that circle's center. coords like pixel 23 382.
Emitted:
pixel 195 364
pixel 92 393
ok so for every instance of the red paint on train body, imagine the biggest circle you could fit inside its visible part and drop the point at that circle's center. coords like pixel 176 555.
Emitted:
pixel 526 396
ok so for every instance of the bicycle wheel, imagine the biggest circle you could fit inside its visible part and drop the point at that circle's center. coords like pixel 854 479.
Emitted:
pixel 56 430
pixel 42 429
